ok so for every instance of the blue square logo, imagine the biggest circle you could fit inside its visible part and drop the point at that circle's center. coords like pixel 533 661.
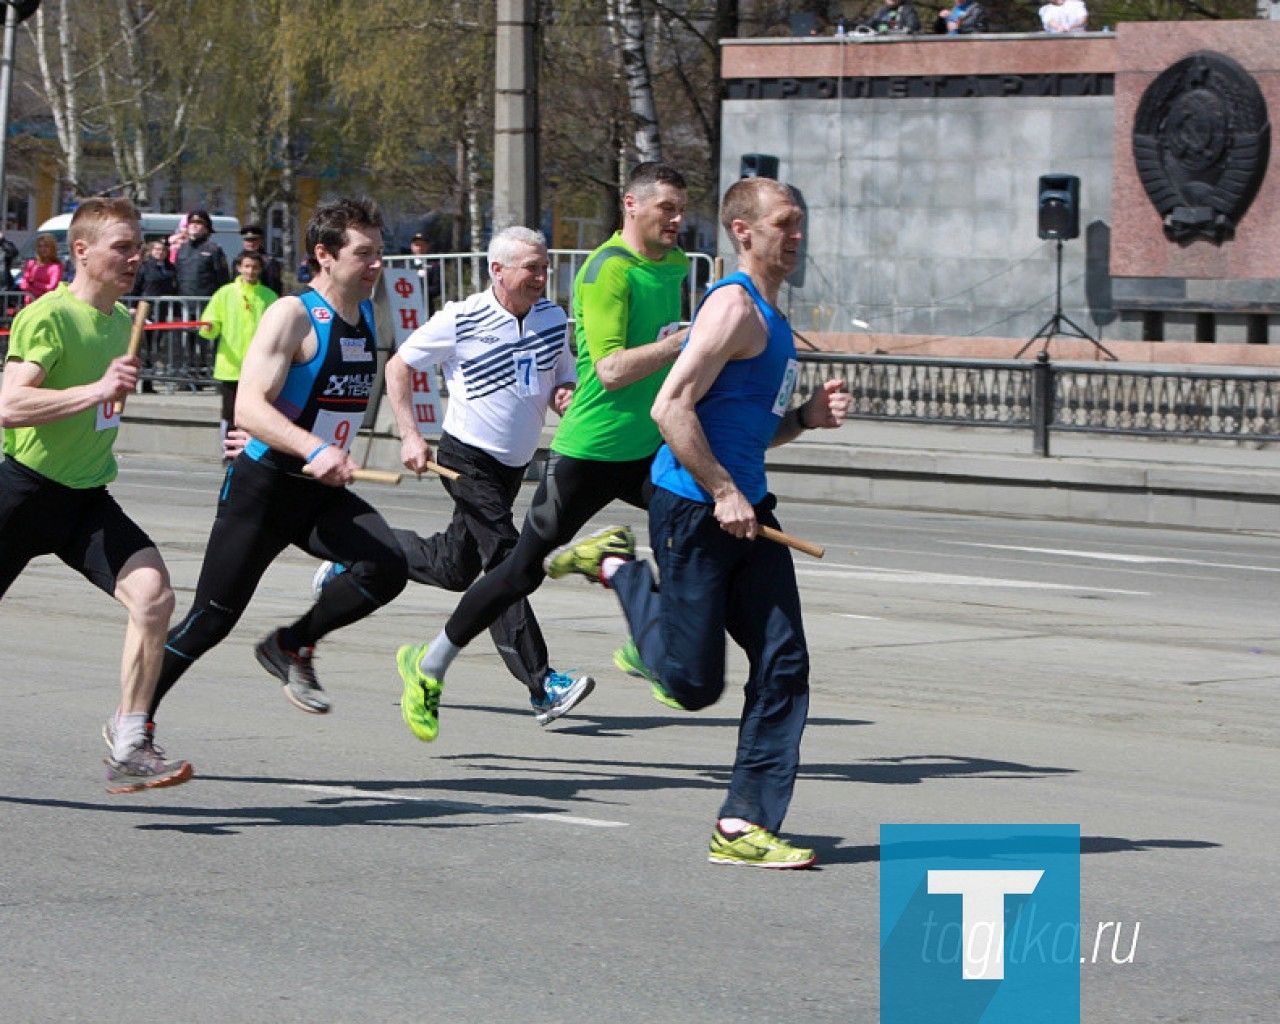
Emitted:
pixel 979 924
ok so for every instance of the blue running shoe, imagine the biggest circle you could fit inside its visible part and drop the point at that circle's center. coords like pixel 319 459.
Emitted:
pixel 326 574
pixel 563 693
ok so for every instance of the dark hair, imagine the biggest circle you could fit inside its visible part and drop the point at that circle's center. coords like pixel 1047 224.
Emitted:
pixel 88 219
pixel 248 254
pixel 649 175
pixel 328 225
pixel 202 216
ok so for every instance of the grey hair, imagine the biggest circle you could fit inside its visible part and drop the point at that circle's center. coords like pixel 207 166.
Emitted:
pixel 504 246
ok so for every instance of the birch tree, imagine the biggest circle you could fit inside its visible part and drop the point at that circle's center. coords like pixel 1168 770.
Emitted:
pixel 51 38
pixel 125 71
pixel 626 22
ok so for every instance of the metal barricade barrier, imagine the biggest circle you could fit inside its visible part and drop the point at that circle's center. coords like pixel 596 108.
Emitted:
pixel 455 275
pixel 177 358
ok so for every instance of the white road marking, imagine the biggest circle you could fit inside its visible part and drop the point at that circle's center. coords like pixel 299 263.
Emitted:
pixel 939 579
pixel 850 615
pixel 453 805
pixel 1115 556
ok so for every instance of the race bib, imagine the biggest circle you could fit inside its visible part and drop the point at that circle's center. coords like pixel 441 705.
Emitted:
pixel 783 401
pixel 526 365
pixel 354 350
pixel 107 418
pixel 338 428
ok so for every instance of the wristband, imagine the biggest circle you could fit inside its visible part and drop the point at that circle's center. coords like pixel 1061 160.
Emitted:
pixel 312 456
pixel 800 417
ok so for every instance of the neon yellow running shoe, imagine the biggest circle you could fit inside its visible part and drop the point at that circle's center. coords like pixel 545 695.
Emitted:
pixel 627 659
pixel 757 848
pixel 585 556
pixel 420 702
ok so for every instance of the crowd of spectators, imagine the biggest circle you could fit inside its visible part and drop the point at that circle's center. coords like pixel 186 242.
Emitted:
pixel 900 17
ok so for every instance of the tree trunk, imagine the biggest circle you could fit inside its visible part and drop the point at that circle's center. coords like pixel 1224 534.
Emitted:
pixel 627 21
pixel 475 216
pixel 288 185
pixel 60 88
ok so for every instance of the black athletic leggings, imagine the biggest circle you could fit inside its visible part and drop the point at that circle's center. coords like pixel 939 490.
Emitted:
pixel 571 493
pixel 261 511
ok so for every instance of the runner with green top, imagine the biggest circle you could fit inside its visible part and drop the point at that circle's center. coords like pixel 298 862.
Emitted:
pixel 627 304
pixel 67 366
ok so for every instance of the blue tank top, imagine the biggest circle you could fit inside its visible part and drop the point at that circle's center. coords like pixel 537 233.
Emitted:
pixel 741 410
pixel 327 394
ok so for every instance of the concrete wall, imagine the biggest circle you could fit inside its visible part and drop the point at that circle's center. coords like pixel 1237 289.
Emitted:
pixel 922 212
pixel 918 160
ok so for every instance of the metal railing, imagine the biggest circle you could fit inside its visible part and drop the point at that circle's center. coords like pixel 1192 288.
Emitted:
pixel 1097 398
pixel 177 359
pixel 458 274
pixel 1238 405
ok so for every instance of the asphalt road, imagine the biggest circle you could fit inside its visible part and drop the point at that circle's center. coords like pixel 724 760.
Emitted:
pixel 336 870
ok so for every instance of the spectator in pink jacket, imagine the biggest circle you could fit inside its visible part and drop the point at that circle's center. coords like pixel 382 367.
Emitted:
pixel 42 274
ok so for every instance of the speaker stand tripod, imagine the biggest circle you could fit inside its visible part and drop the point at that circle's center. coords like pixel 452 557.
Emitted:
pixel 1058 324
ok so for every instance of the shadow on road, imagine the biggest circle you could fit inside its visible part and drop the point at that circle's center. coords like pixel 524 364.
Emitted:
pixel 830 850
pixel 584 723
pixel 527 786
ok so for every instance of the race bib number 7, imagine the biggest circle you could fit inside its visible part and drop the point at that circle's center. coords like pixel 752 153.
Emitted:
pixel 338 428
pixel 526 367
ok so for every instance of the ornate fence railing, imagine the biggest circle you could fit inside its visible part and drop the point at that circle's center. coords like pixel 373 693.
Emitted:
pixel 1098 398
pixel 1241 405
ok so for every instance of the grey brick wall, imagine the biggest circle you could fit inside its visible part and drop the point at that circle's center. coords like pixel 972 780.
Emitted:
pixel 922 212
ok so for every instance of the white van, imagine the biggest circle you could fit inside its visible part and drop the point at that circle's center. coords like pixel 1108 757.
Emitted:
pixel 226 232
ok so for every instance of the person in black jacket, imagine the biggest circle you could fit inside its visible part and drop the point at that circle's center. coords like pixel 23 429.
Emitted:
pixel 896 17
pixel 8 254
pixel 155 274
pixel 200 264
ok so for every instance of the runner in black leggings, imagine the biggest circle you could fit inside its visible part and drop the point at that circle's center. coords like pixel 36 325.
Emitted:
pixel 303 391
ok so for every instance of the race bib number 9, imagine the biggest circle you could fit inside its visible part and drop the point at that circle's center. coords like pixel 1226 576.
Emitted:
pixel 107 418
pixel 338 428
pixel 526 365
pixel 783 401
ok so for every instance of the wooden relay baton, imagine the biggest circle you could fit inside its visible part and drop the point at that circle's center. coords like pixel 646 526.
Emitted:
pixel 135 340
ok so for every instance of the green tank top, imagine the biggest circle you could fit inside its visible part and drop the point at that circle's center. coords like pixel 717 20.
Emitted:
pixel 621 300
pixel 74 344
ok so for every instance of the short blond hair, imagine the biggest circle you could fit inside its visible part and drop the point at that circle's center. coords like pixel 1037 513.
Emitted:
pixel 92 213
pixel 745 200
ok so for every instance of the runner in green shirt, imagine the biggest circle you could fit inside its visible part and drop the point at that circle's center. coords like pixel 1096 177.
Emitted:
pixel 66 368
pixel 233 314
pixel 627 304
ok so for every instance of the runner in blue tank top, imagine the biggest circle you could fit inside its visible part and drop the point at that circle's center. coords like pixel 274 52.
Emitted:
pixel 727 399
pixel 303 390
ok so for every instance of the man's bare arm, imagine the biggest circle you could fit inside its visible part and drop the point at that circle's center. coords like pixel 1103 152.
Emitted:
pixel 414 450
pixel 825 409
pixel 25 403
pixel 729 327
pixel 628 365
pixel 277 344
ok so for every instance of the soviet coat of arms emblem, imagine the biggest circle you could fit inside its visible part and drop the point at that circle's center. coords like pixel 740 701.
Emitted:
pixel 1201 141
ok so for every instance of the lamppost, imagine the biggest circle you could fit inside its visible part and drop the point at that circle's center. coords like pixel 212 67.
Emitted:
pixel 15 12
